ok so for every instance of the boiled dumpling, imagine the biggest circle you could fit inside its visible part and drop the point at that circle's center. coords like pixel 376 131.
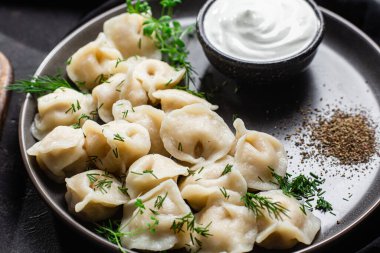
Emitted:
pixel 194 133
pixel 172 99
pixel 146 116
pixel 156 75
pixel 149 171
pixel 285 232
pixel 151 217
pixel 115 88
pixel 106 94
pixel 126 33
pixel 208 178
pixel 232 227
pixel 63 107
pixel 116 145
pixel 61 153
pixel 256 154
pixel 94 195
pixel 126 66
pixel 93 63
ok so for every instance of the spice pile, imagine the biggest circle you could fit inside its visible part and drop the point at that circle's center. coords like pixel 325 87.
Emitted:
pixel 349 138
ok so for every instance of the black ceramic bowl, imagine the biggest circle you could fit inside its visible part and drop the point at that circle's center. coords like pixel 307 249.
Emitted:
pixel 259 71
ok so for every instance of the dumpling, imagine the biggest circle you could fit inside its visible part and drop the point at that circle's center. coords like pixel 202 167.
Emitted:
pixel 106 94
pixel 93 63
pixel 149 171
pixel 210 178
pixel 151 217
pixel 94 195
pixel 256 154
pixel 126 66
pixel 115 88
pixel 146 116
pixel 232 227
pixel 285 232
pixel 61 153
pixel 126 33
pixel 116 145
pixel 156 75
pixel 63 107
pixel 172 99
pixel 194 133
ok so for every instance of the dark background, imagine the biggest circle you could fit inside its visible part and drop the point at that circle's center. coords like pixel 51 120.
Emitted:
pixel 28 31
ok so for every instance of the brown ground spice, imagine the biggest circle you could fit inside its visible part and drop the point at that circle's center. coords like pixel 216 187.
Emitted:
pixel 349 138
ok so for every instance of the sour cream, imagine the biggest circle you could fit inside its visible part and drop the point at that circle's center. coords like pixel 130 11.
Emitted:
pixel 261 30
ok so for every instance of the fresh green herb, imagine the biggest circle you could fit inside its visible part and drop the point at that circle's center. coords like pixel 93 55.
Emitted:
pixel 39 85
pixel 188 222
pixel 78 124
pixel 160 201
pixel 102 185
pixel 180 146
pixel 152 226
pixel 115 152
pixel 118 87
pixel 139 43
pixel 123 190
pixel 257 204
pixel 73 108
pixel 118 137
pixel 140 206
pixel 168 36
pixel 118 61
pixel 191 172
pixel 125 114
pixel 302 187
pixel 137 173
pixel 224 192
pixel 226 170
pixel 68 62
pixel 111 231
pixel 323 205
pixel 200 170
pixel 302 208
pixel 154 211
pixel 139 7
pixel 92 177
pixel 169 82
pixel 150 172
pixel 101 79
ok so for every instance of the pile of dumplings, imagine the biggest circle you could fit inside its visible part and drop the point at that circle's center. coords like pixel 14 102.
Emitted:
pixel 159 153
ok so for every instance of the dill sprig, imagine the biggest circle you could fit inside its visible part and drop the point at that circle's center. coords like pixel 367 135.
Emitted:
pixel 257 204
pixel 305 188
pixel 160 201
pixel 39 85
pixel 226 170
pixel 103 184
pixel 224 192
pixel 118 137
pixel 167 34
pixel 150 172
pixel 123 190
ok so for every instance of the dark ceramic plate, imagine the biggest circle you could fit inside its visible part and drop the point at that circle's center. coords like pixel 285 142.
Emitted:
pixel 344 73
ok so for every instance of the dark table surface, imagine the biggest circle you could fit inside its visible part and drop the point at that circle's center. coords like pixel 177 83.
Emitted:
pixel 28 31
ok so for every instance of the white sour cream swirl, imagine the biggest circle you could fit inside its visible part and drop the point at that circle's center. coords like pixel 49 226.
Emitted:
pixel 261 30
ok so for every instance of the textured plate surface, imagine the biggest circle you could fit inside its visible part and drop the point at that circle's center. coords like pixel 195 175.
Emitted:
pixel 343 74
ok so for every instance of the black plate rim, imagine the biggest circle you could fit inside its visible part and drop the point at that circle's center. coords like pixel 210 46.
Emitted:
pixel 69 220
